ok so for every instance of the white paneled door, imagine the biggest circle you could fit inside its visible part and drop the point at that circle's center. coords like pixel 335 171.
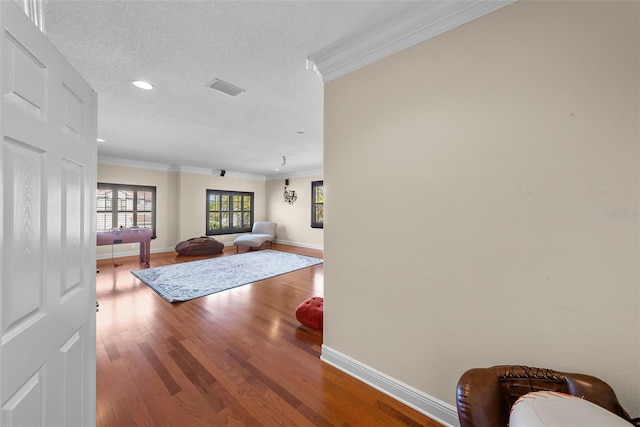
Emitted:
pixel 47 240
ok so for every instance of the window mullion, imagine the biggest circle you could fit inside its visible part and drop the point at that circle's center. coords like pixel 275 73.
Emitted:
pixel 135 208
pixel 114 207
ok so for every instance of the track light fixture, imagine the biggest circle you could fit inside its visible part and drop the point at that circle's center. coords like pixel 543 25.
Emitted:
pixel 222 172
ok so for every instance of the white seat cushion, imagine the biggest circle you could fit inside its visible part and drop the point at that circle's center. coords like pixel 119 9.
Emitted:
pixel 252 240
pixel 552 409
pixel 262 231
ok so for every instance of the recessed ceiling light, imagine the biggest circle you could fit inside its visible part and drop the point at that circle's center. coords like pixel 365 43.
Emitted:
pixel 101 140
pixel 276 169
pixel 142 84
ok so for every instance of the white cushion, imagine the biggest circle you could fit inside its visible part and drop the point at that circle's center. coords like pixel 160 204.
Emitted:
pixel 552 409
pixel 253 240
pixel 262 231
pixel 264 227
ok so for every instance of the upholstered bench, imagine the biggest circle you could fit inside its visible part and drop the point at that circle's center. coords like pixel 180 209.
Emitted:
pixel 199 246
pixel 310 312
pixel 261 233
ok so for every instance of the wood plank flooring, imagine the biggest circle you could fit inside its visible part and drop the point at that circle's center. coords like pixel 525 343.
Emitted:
pixel 236 358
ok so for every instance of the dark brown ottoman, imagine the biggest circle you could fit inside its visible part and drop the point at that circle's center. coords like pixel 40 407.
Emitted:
pixel 199 246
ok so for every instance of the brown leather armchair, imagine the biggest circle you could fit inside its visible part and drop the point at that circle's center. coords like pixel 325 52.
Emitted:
pixel 484 396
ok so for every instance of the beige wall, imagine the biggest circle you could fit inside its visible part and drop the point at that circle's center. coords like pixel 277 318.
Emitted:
pixel 180 202
pixel 181 205
pixel 192 189
pixel 166 193
pixel 294 221
pixel 487 208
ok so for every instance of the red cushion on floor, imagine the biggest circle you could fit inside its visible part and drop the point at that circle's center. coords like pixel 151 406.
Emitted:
pixel 310 312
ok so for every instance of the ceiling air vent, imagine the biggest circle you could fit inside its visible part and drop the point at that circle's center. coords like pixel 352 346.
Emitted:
pixel 226 88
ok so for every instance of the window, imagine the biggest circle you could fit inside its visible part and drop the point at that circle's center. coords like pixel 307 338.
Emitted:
pixel 317 204
pixel 229 212
pixel 124 206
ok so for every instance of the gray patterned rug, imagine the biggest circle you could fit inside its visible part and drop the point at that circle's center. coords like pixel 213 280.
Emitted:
pixel 188 280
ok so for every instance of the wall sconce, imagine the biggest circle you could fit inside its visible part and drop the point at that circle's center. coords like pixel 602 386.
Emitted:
pixel 289 196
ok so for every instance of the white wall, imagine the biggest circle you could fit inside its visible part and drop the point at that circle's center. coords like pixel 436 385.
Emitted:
pixel 484 200
pixel 294 221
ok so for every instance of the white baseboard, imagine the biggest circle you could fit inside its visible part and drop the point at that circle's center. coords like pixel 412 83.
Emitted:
pixel 132 253
pixel 301 245
pixel 421 402
pixel 172 249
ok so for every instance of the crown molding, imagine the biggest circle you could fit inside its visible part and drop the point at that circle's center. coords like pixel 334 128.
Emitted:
pixel 276 177
pixel 413 24
pixel 115 161
pixel 216 172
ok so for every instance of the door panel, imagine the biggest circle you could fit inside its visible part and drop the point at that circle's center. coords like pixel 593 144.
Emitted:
pixel 47 247
pixel 72 113
pixel 71 245
pixel 25 77
pixel 23 408
pixel 23 288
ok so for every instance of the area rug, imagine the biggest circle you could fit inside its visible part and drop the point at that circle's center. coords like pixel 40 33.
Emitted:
pixel 188 280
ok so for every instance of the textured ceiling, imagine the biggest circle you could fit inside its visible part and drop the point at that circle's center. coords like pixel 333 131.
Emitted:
pixel 181 47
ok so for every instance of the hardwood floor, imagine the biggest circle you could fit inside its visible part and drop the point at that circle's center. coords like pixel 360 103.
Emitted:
pixel 236 358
